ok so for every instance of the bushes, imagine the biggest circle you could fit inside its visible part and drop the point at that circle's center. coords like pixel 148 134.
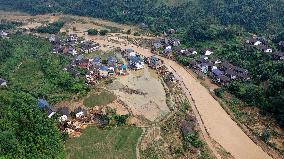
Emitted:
pixel 103 32
pixel 185 106
pixel 265 135
pixel 51 28
pixel 9 25
pixel 192 139
pixel 92 32
pixel 136 34
pixel 250 93
pixel 219 92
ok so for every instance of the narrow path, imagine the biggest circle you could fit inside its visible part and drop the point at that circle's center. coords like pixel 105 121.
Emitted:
pixel 220 127
pixel 139 142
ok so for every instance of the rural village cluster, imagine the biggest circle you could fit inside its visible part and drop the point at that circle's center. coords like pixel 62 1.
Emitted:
pixel 124 60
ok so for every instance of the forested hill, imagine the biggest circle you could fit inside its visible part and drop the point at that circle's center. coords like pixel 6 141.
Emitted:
pixel 254 15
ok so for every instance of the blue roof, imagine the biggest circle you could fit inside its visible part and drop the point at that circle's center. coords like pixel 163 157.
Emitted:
pixel 112 59
pixel 104 68
pixel 135 59
pixel 217 72
pixel 97 59
pixel 42 103
pixel 123 66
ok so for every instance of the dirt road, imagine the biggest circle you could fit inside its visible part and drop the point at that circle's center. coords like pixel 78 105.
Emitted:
pixel 217 122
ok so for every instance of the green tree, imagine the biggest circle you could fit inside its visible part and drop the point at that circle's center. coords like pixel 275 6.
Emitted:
pixel 92 32
pixel 103 32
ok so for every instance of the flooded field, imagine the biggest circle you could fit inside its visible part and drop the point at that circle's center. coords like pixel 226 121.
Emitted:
pixel 150 102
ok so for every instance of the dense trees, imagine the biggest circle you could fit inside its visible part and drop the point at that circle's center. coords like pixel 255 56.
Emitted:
pixel 253 15
pixel 25 131
pixel 4 25
pixel 32 72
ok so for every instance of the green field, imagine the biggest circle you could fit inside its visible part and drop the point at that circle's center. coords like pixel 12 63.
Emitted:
pixel 102 98
pixel 114 143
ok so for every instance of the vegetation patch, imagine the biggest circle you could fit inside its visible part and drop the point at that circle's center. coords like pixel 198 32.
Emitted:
pixel 51 28
pixel 117 142
pixel 92 32
pixel 98 99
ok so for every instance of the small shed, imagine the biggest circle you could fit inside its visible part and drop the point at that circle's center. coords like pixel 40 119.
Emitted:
pixel 3 83
pixel 42 103
pixel 80 112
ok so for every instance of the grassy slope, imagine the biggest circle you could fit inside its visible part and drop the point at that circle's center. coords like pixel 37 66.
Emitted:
pixel 102 98
pixel 111 143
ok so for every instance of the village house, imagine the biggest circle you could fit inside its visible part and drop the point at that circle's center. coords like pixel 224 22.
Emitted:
pixel 43 104
pixel 71 70
pixel 169 77
pixel 169 32
pixel 126 52
pixel 53 39
pixel 174 42
pixel 111 71
pixel 72 38
pixel 96 62
pixel 64 113
pixel 223 80
pixel 72 50
pixel 216 73
pixel 264 48
pixel 167 52
pixel 57 49
pixel 143 26
pixel 241 70
pixel 226 66
pixel 157 44
pixel 76 60
pixel 50 112
pixel 154 62
pixel 253 41
pixel 215 61
pixel 112 61
pixel 103 71
pixel 84 63
pixel 80 112
pixel 3 34
pixel 207 51
pixel 243 77
pixel 231 74
pixel 182 52
pixel 192 64
pixel 3 83
pixel 122 69
pixel 91 76
pixel 202 59
pixel 186 52
pixel 100 120
pixel 135 62
pixel 89 46
pixel 278 55
pixel 281 45
pixel 204 67
pixel 192 51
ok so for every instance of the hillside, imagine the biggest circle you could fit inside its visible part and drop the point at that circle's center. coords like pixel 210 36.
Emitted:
pixel 253 15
